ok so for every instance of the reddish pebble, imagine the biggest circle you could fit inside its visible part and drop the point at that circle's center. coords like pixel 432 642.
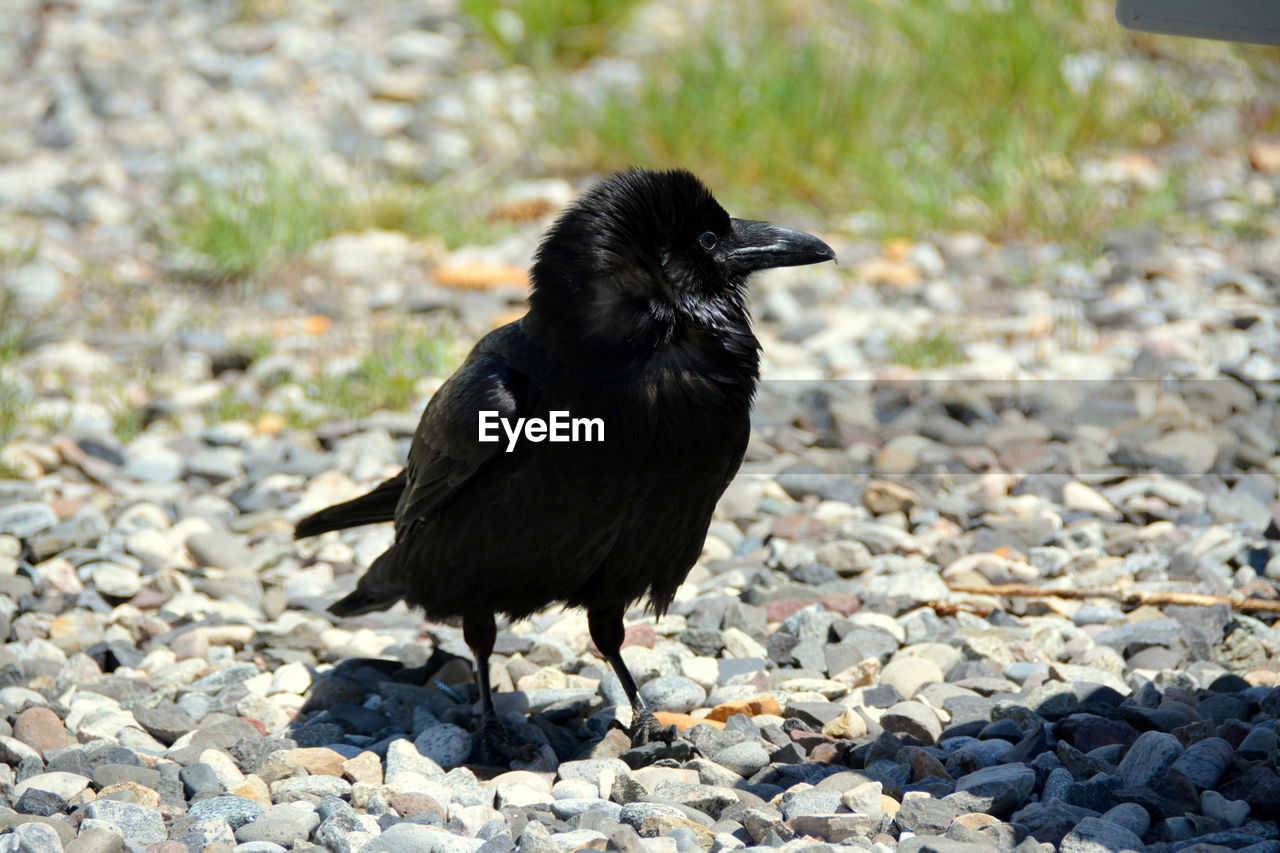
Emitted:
pixel 843 604
pixel 640 635
pixel 781 610
pixel 413 804
pixel 809 740
pixel 798 526
pixel 166 847
pixel 40 729
pixel 150 598
pixel 259 725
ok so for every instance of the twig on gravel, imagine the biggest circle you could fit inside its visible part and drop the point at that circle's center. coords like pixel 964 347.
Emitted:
pixel 1130 597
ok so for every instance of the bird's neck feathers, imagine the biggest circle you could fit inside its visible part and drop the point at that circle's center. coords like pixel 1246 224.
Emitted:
pixel 616 323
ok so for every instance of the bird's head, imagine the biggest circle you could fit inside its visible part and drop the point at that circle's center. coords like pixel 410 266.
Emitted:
pixel 656 249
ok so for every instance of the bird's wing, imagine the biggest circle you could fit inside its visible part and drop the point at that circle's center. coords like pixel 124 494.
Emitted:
pixel 446 450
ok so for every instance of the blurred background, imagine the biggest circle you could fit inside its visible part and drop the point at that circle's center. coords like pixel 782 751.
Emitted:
pixel 286 212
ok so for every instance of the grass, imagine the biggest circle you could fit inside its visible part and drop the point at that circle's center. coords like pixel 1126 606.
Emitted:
pixel 540 33
pixel 230 406
pixel 15 325
pixel 428 210
pixel 386 377
pixel 959 117
pixel 239 221
pixel 12 404
pixel 938 348
pixel 261 213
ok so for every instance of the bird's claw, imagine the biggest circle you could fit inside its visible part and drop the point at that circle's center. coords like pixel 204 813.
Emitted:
pixel 497 746
pixel 645 728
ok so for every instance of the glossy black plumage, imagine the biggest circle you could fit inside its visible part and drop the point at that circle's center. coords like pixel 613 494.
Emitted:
pixel 637 317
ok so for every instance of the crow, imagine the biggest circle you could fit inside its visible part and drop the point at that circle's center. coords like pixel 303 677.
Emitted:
pixel 637 317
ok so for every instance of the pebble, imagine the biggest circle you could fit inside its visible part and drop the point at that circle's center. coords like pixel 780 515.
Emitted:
pixel 912 719
pixel 136 824
pixel 744 758
pixel 40 729
pixel 236 811
pixel 1095 835
pixel 673 693
pixel 446 745
pixel 1149 758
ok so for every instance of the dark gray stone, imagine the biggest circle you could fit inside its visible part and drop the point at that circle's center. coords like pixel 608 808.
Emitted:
pixel 1203 763
pixel 1151 755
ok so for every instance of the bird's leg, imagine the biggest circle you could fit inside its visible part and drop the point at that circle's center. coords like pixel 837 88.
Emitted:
pixel 495 743
pixel 607 632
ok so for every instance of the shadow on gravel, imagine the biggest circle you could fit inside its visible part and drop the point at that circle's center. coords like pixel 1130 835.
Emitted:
pixel 1121 764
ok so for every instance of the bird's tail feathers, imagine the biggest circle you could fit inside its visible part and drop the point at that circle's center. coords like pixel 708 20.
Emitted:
pixel 372 508
pixel 379 588
pixel 362 601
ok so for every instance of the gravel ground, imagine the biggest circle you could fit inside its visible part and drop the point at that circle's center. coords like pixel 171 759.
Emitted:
pixel 172 684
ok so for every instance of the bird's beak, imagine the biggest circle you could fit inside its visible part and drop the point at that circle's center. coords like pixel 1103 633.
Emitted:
pixel 761 245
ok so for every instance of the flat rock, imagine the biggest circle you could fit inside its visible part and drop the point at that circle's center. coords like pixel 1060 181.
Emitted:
pixel 1095 835
pixel 912 719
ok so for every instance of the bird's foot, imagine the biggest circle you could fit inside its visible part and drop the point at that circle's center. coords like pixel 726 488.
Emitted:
pixel 645 728
pixel 496 745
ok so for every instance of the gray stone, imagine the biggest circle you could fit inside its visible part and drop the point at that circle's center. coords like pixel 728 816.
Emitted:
pixel 64 785
pixel 591 769
pixel 909 673
pixel 219 549
pixel 415 838
pixel 1056 785
pixel 1229 812
pixel 32 838
pixel 633 814
pixel 43 803
pixel 1131 816
pixel 1095 835
pixel 154 465
pixel 743 758
pixel 113 579
pixel 673 693
pixel 445 744
pixel 811 801
pixel 95 839
pixel 26 519
pixel 1002 788
pixel 201 834
pixel 236 811
pixel 311 787
pixel 927 816
pixel 137 824
pixel 1150 756
pixel 1203 763
pixel 284 831
pixel 165 723
pixel 913 719
pixel 1260 744
pixel 571 807
pixel 708 799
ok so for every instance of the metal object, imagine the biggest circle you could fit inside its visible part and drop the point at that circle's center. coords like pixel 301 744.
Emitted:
pixel 1256 21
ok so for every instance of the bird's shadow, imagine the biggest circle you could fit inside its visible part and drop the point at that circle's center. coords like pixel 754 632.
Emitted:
pixel 338 712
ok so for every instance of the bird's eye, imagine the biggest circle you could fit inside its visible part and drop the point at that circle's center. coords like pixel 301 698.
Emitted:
pixel 707 241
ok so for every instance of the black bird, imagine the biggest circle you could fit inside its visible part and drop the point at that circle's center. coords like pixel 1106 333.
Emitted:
pixel 637 317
